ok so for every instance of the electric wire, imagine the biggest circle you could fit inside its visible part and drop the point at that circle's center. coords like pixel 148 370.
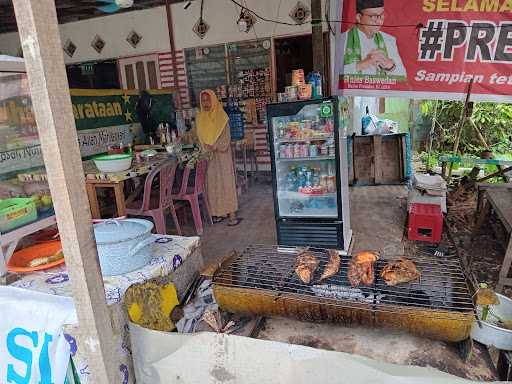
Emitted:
pixel 328 21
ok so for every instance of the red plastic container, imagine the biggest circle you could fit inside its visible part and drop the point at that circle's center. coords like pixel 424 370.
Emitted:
pixel 425 222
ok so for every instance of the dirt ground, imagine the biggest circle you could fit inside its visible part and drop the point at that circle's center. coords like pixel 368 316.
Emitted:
pixel 378 217
pixel 484 248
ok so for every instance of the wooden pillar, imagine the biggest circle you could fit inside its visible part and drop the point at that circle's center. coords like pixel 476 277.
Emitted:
pixel 318 37
pixel 172 45
pixel 42 50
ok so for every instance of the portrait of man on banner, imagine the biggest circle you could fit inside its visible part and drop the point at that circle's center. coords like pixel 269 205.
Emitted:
pixel 368 50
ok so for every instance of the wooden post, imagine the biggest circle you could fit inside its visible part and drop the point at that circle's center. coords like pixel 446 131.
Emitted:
pixel 42 50
pixel 460 127
pixel 172 44
pixel 317 36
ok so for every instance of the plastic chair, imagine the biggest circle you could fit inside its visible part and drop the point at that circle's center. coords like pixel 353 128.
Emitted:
pixel 194 192
pixel 154 205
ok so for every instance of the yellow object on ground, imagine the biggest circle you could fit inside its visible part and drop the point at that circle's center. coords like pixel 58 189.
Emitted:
pixel 150 305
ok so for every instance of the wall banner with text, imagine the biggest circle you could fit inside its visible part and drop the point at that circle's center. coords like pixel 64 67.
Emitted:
pixel 102 118
pixel 425 49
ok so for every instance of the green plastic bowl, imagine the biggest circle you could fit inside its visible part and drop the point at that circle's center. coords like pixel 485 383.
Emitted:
pixel 113 163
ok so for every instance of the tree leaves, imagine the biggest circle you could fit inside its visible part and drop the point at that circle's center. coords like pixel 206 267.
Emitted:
pixel 493 120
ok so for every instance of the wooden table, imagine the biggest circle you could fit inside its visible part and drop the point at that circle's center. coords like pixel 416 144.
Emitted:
pixel 116 181
pixel 499 200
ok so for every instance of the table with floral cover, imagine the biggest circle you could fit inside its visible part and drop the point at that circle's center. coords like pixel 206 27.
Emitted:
pixel 172 256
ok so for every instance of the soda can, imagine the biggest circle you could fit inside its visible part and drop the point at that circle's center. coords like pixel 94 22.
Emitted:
pixel 282 151
pixel 288 151
pixel 313 150
pixel 296 150
pixel 331 184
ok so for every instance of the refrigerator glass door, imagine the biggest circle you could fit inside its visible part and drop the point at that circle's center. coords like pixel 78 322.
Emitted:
pixel 305 153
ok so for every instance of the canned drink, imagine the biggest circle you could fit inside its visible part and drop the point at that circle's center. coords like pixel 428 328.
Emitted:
pixel 332 150
pixel 304 150
pixel 313 150
pixel 331 184
pixel 282 151
pixel 296 150
pixel 288 151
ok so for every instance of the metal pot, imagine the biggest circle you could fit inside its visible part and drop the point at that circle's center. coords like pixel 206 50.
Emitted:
pixel 488 333
pixel 123 245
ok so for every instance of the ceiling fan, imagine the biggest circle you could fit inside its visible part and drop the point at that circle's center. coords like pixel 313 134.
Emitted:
pixel 114 5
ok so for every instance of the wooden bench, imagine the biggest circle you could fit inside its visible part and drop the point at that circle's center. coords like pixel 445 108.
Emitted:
pixel 498 199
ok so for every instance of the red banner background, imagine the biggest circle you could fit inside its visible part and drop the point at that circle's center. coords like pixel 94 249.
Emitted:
pixel 492 79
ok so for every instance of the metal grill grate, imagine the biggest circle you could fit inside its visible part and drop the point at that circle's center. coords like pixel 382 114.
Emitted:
pixel 441 291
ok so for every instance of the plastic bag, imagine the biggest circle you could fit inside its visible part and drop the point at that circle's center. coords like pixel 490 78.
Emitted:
pixel 33 348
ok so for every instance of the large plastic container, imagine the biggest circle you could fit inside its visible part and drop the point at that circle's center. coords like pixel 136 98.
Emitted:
pixel 236 121
pixel 16 212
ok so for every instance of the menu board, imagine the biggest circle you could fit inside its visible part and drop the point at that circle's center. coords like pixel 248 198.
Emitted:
pixel 248 56
pixel 206 69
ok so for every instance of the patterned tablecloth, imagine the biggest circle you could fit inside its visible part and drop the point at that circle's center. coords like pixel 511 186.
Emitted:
pixel 168 254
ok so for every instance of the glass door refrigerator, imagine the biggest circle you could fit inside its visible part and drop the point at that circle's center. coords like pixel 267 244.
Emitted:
pixel 310 172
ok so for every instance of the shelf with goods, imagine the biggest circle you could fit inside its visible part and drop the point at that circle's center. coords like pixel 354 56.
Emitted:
pixel 304 140
pixel 292 195
pixel 303 205
pixel 298 159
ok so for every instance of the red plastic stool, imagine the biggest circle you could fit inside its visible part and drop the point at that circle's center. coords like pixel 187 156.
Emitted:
pixel 425 222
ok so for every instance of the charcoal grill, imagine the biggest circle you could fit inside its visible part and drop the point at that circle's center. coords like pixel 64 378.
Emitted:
pixel 262 281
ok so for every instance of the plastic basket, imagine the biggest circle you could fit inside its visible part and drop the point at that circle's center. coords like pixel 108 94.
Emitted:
pixel 16 212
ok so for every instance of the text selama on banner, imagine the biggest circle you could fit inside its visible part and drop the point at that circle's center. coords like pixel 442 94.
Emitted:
pixel 425 49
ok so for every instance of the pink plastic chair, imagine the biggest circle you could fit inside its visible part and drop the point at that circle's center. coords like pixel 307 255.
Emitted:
pixel 194 192
pixel 154 205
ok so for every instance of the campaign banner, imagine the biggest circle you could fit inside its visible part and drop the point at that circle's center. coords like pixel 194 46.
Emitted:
pixel 425 49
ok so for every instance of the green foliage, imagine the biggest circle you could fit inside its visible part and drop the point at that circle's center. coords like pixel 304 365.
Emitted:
pixel 493 120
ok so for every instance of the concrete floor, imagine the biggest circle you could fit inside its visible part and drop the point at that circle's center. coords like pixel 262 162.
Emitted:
pixel 378 218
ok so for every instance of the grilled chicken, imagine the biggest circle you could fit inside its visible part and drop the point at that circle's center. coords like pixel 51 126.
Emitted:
pixel 401 271
pixel 306 266
pixel 361 269
pixel 333 266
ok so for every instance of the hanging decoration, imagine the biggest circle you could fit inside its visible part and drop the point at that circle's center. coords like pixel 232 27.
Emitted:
pixel 201 27
pixel 69 48
pixel 246 21
pixel 133 38
pixel 98 43
pixel 300 13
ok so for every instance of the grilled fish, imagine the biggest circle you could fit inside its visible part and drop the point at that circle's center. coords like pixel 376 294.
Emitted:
pixel 361 269
pixel 333 266
pixel 401 271
pixel 306 266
